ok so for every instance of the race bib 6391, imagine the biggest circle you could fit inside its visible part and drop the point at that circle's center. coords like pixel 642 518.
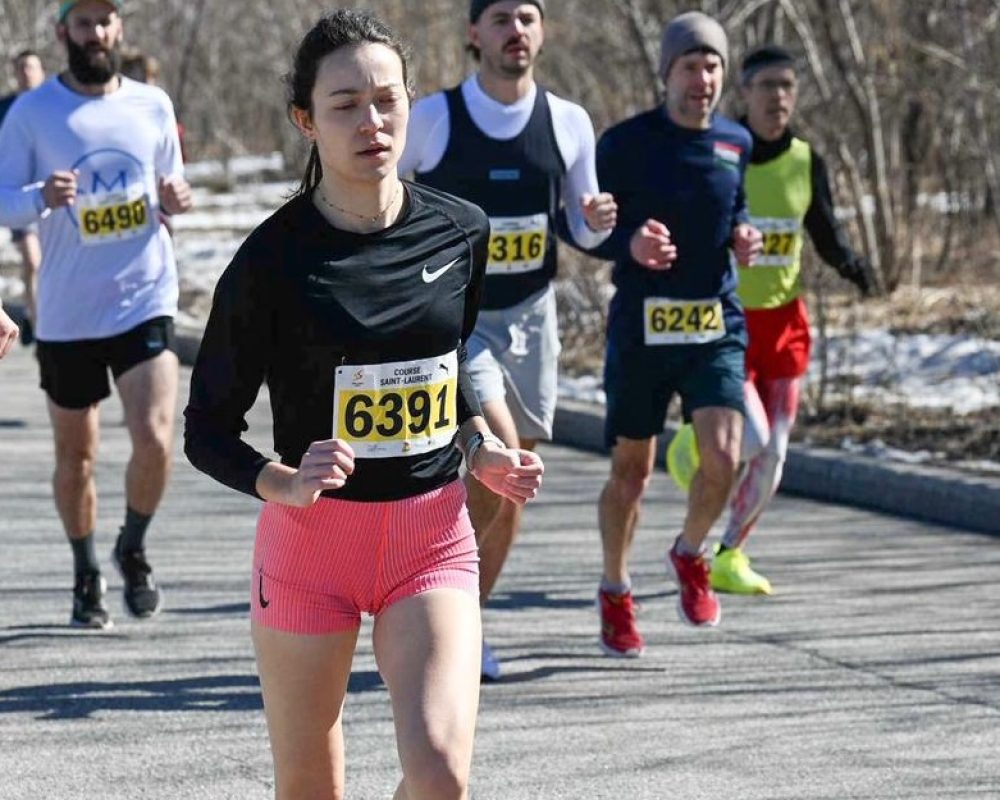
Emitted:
pixel 397 409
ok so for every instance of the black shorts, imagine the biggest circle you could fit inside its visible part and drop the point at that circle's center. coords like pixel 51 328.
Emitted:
pixel 640 381
pixel 75 374
pixel 18 234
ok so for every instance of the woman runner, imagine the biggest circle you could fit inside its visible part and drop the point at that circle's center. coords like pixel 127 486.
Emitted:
pixel 354 302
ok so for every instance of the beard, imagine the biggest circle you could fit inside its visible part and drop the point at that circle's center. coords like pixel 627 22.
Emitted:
pixel 512 69
pixel 86 68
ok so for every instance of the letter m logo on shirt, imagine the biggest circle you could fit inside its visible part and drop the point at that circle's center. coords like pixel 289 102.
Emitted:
pixel 98 183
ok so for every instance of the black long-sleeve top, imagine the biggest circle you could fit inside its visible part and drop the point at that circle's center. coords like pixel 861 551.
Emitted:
pixel 302 298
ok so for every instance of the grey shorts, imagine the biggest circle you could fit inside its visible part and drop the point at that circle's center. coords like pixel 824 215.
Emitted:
pixel 514 356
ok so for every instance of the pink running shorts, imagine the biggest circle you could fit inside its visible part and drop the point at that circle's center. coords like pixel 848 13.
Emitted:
pixel 316 569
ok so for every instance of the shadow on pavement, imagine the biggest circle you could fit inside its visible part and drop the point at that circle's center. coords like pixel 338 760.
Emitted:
pixel 52 631
pixel 527 599
pixel 208 693
pixel 226 608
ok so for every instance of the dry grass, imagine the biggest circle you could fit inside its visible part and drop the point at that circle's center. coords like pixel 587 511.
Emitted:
pixel 968 309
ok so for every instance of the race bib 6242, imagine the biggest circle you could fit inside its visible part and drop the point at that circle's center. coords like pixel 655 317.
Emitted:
pixel 668 321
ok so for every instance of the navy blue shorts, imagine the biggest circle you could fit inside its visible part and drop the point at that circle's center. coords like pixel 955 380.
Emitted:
pixel 75 374
pixel 640 382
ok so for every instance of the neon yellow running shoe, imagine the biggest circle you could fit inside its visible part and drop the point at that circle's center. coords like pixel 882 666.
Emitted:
pixel 731 573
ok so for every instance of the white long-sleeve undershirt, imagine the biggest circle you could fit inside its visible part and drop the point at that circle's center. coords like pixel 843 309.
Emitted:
pixel 430 128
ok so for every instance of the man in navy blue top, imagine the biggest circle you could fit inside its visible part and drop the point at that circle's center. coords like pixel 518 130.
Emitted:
pixel 675 325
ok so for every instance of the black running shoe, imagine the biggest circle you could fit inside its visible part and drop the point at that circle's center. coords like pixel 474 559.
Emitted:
pixel 142 598
pixel 89 610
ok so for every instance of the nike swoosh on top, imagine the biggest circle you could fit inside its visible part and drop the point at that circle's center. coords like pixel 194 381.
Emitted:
pixel 430 277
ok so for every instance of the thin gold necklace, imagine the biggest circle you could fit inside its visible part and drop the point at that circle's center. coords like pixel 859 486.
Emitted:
pixel 365 217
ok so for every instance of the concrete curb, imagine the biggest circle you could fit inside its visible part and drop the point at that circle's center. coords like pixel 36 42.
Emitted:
pixel 930 494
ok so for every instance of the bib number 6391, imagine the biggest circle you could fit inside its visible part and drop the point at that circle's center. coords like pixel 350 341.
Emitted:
pixel 412 411
pixel 397 409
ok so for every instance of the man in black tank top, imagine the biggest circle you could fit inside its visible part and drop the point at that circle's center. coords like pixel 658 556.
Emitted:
pixel 527 158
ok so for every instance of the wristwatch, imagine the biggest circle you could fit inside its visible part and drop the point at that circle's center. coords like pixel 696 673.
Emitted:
pixel 477 440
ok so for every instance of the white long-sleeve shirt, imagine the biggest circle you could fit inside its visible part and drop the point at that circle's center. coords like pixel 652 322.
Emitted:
pixel 429 129
pixel 107 262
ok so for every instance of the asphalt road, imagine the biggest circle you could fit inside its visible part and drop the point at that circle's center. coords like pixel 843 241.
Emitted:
pixel 874 672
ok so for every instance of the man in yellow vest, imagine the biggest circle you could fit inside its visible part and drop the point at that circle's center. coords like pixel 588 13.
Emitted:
pixel 788 193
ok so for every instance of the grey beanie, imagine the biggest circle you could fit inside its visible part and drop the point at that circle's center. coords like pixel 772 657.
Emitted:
pixel 691 31
pixel 477 7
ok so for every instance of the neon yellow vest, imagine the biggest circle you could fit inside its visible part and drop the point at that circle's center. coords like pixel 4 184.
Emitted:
pixel 778 195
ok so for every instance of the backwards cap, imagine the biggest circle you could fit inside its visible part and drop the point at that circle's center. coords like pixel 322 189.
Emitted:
pixel 66 5
pixel 477 7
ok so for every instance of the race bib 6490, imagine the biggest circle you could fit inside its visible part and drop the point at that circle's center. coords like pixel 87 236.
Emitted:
pixel 111 218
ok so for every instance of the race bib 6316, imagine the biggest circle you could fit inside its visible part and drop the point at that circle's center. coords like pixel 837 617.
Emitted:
pixel 397 409
pixel 517 244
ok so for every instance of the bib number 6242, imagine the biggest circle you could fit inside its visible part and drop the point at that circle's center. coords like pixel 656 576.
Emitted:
pixel 668 321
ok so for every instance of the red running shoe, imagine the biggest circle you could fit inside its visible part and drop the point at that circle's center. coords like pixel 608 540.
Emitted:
pixel 619 636
pixel 697 604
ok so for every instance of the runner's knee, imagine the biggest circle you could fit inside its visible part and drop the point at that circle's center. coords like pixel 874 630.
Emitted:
pixel 75 458
pixel 438 774
pixel 74 470
pixel 629 481
pixel 718 464
pixel 294 784
pixel 150 442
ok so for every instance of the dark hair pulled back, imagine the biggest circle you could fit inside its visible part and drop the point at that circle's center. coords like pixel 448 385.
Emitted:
pixel 340 28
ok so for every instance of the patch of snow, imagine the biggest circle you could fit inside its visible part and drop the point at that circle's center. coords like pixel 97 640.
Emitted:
pixel 921 370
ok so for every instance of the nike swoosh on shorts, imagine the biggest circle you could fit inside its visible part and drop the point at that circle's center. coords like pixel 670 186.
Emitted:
pixel 430 277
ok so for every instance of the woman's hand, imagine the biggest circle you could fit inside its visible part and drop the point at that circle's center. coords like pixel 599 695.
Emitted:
pixel 509 472
pixel 325 465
